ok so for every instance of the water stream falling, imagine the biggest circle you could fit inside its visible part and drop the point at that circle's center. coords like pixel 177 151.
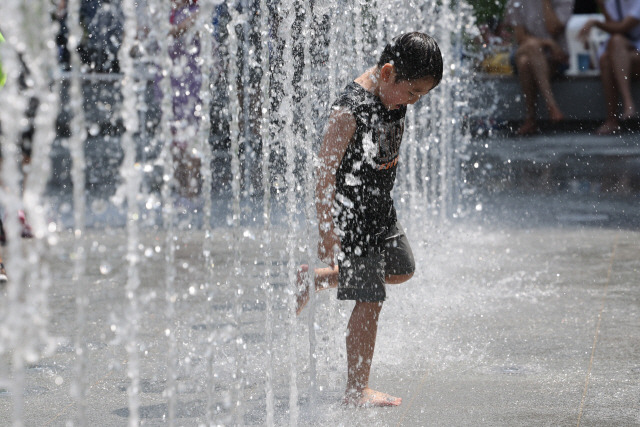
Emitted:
pixel 193 297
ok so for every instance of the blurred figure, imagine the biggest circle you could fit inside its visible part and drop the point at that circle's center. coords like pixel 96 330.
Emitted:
pixel 26 229
pixel 62 36
pixel 26 86
pixel 147 54
pixel 495 42
pixel 619 59
pixel 186 79
pixel 88 9
pixel 3 75
pixel 3 79
pixel 541 53
pixel 103 25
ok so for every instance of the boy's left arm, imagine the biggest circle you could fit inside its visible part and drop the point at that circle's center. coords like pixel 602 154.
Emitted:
pixel 340 130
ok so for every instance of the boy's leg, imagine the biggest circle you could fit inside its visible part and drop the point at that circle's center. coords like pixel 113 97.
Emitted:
pixel 399 267
pixel 361 341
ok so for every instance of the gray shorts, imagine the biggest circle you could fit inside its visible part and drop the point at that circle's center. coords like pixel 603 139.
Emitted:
pixel 362 278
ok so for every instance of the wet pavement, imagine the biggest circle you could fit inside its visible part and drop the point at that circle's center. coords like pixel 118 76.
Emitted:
pixel 507 322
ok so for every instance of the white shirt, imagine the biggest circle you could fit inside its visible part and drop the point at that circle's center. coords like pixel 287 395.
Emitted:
pixel 529 14
pixel 628 8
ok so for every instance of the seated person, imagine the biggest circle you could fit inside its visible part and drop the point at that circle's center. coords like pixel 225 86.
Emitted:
pixel 495 42
pixel 541 53
pixel 619 59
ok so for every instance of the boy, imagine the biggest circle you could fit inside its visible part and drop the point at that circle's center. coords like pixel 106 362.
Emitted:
pixel 356 217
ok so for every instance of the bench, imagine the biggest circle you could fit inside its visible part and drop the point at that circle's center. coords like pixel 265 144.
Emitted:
pixel 579 97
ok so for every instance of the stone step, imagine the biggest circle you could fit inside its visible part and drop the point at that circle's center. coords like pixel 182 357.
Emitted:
pixel 557 161
pixel 579 97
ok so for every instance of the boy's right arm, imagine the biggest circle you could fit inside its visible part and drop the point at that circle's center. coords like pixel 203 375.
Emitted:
pixel 340 130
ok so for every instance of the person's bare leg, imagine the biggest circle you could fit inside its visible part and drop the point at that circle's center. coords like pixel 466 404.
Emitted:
pixel 541 71
pixel 527 83
pixel 361 341
pixel 620 52
pixel 610 93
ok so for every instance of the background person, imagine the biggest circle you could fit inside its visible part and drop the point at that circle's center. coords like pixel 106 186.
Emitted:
pixel 186 79
pixel 539 27
pixel 619 59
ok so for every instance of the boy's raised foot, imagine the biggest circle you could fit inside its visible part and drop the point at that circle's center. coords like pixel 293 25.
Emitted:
pixel 369 398
pixel 302 287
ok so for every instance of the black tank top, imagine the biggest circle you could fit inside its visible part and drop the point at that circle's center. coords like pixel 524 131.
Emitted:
pixel 367 173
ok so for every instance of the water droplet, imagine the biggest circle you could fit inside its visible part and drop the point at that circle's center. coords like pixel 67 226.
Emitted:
pixel 105 268
pixel 52 240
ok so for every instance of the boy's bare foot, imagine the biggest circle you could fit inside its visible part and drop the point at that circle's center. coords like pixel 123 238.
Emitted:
pixel 302 288
pixel 370 398
pixel 608 127
pixel 529 127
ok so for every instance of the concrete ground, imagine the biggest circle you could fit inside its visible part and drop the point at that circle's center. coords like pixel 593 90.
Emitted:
pixel 506 323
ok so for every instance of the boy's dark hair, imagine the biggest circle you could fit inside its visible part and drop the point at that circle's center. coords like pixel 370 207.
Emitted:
pixel 415 56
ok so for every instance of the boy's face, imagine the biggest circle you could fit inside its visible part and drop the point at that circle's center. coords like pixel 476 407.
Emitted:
pixel 396 94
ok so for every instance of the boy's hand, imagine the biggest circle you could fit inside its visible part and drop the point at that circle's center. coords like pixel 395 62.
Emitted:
pixel 328 245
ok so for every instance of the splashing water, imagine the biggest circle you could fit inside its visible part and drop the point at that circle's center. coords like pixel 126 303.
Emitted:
pixel 194 296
